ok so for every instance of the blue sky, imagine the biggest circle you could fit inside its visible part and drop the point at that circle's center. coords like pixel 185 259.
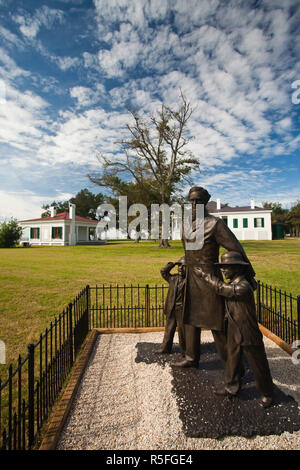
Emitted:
pixel 69 70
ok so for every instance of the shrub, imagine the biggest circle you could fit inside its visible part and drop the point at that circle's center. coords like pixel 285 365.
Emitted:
pixel 10 234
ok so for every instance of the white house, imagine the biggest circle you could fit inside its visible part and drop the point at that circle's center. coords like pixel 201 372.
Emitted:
pixel 65 228
pixel 246 222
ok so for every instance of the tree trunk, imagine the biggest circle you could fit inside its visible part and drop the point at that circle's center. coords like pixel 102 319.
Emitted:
pixel 164 243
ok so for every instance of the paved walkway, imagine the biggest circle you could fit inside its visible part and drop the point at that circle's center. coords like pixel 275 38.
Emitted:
pixel 128 401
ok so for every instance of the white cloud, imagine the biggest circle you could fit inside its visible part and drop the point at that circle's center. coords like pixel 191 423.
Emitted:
pixel 9 69
pixel 235 64
pixel 66 63
pixel 78 136
pixel 284 124
pixel 44 16
pixel 87 96
pixel 22 119
pixel 10 38
pixel 21 205
pixel 122 56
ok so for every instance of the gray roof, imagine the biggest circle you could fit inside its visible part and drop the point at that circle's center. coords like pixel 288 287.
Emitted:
pixel 212 207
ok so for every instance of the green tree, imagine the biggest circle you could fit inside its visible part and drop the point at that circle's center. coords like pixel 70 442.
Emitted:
pixel 278 213
pixel 10 234
pixel 86 204
pixel 294 219
pixel 156 157
pixel 61 206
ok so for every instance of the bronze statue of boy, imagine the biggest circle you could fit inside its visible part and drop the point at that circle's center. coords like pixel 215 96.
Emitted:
pixel 173 306
pixel 242 331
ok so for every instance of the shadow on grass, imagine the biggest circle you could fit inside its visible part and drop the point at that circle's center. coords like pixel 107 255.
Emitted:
pixel 203 414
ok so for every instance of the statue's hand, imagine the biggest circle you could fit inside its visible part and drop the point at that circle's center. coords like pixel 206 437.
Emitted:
pixel 199 271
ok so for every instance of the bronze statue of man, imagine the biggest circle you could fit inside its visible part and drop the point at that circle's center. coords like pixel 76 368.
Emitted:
pixel 203 308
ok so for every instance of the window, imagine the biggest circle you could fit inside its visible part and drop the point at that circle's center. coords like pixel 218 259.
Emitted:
pixel 57 232
pixel 34 232
pixel 224 218
pixel 235 223
pixel 245 223
pixel 259 222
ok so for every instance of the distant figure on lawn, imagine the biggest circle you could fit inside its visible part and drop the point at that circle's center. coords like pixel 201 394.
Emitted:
pixel 243 333
pixel 173 306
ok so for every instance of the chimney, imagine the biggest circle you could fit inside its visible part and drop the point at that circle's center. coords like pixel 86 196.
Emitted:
pixel 252 203
pixel 52 211
pixel 218 204
pixel 72 208
pixel 72 236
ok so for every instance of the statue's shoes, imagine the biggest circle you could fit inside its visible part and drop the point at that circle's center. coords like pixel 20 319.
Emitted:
pixel 265 402
pixel 222 391
pixel 162 351
pixel 185 364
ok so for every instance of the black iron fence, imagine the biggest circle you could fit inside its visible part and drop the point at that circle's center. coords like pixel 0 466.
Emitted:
pixel 279 312
pixel 28 394
pixel 127 306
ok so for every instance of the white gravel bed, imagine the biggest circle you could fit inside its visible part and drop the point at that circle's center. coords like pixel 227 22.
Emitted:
pixel 125 405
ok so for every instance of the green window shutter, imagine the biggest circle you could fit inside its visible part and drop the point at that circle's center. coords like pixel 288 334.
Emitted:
pixel 235 223
pixel 31 232
pixel 60 232
pixel 262 222
pixel 255 222
pixel 245 223
pixel 53 232
pixel 37 233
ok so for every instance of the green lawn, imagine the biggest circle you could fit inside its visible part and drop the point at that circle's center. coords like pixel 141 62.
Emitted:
pixel 38 282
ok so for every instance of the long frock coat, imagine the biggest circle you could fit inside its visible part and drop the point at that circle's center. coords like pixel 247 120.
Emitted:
pixel 204 308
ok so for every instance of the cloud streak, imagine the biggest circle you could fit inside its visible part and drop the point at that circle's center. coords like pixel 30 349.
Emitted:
pixel 234 62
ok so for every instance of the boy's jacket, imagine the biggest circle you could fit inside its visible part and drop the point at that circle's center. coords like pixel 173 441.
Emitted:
pixel 240 309
pixel 173 280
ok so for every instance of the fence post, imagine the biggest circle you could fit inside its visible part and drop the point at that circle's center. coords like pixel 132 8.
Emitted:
pixel 147 305
pixel 258 308
pixel 298 315
pixel 88 307
pixel 71 333
pixel 30 395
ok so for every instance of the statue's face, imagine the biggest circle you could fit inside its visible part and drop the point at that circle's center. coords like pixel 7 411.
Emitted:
pixel 229 271
pixel 194 199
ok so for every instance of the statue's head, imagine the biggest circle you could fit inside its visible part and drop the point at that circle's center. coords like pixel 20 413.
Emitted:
pixel 232 263
pixel 198 195
pixel 181 266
